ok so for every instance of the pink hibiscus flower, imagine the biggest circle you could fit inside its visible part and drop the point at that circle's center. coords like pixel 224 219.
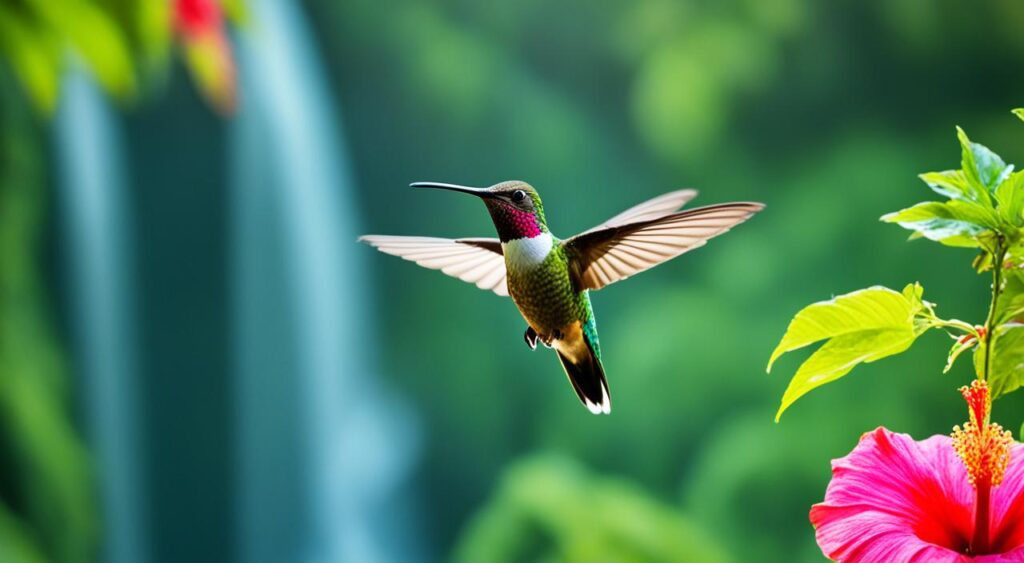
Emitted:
pixel 942 499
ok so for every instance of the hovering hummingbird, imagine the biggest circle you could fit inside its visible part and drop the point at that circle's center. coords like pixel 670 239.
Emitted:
pixel 549 279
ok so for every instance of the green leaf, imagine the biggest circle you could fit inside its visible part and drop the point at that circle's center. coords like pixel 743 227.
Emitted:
pixel 953 223
pixel 862 327
pixel 1019 112
pixel 959 347
pixel 1011 300
pixel 1006 372
pixel 839 356
pixel 1010 195
pixel 953 184
pixel 982 167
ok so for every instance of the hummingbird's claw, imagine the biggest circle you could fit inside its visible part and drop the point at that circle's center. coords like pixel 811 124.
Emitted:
pixel 531 338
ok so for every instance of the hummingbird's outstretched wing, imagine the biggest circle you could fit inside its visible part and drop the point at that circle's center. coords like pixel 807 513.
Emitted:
pixel 650 209
pixel 604 256
pixel 475 260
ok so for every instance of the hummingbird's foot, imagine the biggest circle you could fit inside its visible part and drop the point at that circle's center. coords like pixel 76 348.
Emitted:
pixel 531 338
pixel 548 339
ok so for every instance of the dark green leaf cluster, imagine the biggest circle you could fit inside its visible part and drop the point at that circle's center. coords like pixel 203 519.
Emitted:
pixel 983 209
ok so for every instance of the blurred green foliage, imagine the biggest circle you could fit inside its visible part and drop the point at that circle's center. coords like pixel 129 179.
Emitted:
pixel 547 508
pixel 47 502
pixel 107 35
pixel 48 509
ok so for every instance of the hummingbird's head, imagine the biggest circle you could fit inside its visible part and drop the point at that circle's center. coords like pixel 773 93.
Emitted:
pixel 515 207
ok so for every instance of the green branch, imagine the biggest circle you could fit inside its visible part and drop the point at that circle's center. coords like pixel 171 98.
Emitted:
pixel 997 272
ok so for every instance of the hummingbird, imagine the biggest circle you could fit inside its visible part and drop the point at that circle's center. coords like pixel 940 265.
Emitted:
pixel 550 279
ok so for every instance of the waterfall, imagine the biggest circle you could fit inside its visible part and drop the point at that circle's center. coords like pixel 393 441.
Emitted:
pixel 322 448
pixel 91 195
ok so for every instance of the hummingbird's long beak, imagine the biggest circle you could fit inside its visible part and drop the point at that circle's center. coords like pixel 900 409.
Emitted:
pixel 479 192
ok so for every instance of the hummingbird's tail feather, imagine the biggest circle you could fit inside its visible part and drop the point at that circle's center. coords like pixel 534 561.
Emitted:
pixel 585 373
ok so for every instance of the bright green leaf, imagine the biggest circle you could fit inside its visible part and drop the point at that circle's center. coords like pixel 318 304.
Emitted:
pixel 862 326
pixel 841 354
pixel 1010 194
pixel 874 308
pixel 952 184
pixel 913 292
pixel 954 223
pixel 1011 300
pixel 982 167
pixel 1006 370
pixel 1019 112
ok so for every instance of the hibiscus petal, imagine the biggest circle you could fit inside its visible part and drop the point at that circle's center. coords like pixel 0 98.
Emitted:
pixel 868 536
pixel 894 499
pixel 1015 556
pixel 1008 506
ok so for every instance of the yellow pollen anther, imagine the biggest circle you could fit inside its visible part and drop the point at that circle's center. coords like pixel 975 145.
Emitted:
pixel 984 447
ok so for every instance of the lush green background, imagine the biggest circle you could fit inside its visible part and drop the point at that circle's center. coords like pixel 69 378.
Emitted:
pixel 825 111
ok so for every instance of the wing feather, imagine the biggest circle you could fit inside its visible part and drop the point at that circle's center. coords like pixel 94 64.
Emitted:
pixel 608 254
pixel 650 209
pixel 478 261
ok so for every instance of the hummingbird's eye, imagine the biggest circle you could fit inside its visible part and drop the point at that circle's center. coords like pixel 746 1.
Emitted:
pixel 518 195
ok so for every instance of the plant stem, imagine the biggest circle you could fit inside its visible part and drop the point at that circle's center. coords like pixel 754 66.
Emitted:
pixel 979 541
pixel 997 279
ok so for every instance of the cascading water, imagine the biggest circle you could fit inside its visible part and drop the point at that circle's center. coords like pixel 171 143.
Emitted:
pixel 322 449
pixel 91 193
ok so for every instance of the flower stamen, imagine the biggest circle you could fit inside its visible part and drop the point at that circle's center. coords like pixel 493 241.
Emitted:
pixel 984 448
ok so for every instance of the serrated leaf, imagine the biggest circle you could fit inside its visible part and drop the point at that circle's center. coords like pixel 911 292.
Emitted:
pixel 840 355
pixel 1006 371
pixel 874 308
pixel 952 184
pixel 862 326
pixel 953 223
pixel 981 166
pixel 1010 195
